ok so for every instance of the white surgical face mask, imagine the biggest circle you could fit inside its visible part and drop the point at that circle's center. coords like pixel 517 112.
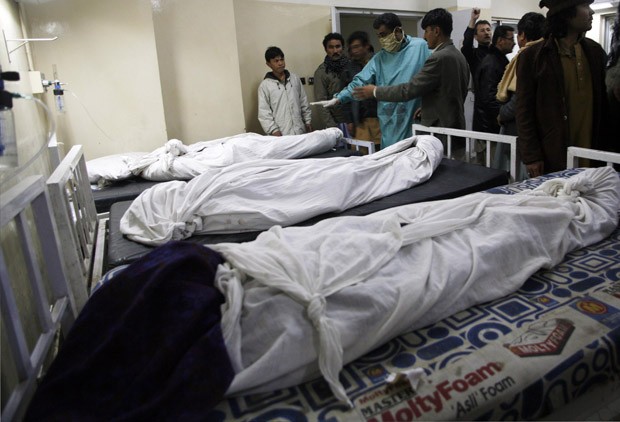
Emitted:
pixel 390 43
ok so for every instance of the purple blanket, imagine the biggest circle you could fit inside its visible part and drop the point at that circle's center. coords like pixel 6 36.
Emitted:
pixel 147 345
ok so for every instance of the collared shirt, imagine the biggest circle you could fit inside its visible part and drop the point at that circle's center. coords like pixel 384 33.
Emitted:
pixel 437 48
pixel 578 93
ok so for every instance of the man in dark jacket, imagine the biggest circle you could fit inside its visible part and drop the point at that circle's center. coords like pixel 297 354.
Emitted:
pixel 612 78
pixel 479 30
pixel 488 75
pixel 530 30
pixel 562 98
pixel 329 79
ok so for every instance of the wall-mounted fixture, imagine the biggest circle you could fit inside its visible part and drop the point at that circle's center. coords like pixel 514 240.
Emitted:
pixel 23 42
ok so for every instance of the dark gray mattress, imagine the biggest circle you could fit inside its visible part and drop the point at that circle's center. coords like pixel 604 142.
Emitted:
pixel 122 190
pixel 129 189
pixel 450 180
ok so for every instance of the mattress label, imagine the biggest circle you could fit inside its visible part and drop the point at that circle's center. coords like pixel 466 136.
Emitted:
pixel 547 337
pixel 599 311
pixel 460 394
pixel 531 358
pixel 613 290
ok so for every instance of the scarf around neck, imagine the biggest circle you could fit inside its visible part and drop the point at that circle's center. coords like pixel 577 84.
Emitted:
pixel 509 80
pixel 335 66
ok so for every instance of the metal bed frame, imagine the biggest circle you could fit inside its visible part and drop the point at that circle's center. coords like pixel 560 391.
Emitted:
pixel 28 213
pixel 77 221
pixel 51 299
pixel 471 136
pixel 357 143
pixel 55 151
pixel 575 153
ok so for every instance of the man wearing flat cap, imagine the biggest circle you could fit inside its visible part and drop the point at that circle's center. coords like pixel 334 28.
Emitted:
pixel 561 89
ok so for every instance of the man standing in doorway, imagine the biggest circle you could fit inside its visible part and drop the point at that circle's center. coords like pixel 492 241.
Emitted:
pixel 481 32
pixel 399 60
pixel 364 113
pixel 488 75
pixel 329 79
pixel 441 84
pixel 561 88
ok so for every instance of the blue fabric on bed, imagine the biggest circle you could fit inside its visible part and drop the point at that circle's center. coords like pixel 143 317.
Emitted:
pixel 147 345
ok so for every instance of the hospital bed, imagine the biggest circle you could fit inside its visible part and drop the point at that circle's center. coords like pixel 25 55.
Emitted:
pixel 550 351
pixel 563 324
pixel 451 179
pixel 128 189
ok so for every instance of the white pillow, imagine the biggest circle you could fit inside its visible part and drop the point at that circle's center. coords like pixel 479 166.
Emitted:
pixel 112 167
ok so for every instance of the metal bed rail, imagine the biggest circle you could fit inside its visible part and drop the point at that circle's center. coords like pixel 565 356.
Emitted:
pixel 55 151
pixel 26 218
pixel 471 136
pixel 76 219
pixel 357 143
pixel 575 153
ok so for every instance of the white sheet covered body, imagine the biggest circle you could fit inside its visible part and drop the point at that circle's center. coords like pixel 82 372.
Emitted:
pixel 260 194
pixel 177 161
pixel 303 298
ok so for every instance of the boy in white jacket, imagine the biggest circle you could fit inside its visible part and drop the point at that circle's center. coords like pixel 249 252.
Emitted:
pixel 282 103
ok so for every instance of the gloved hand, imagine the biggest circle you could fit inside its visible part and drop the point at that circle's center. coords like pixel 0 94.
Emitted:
pixel 327 103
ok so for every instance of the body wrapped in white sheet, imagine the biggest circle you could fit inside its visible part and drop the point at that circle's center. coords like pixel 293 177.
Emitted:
pixel 260 194
pixel 177 161
pixel 304 299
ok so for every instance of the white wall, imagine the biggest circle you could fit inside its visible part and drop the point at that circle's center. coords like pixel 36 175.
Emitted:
pixel 30 123
pixel 499 8
pixel 598 27
pixel 148 71
pixel 298 29
pixel 106 54
pixel 511 9
pixel 199 69
pixel 408 5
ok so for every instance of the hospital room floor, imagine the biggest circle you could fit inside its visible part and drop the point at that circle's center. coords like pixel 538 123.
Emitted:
pixel 596 405
pixel 608 413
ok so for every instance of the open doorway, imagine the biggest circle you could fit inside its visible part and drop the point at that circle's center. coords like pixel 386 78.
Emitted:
pixel 513 24
pixel 347 21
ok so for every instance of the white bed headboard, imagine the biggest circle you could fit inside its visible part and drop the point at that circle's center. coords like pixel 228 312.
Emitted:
pixel 575 153
pixel 50 301
pixel 471 136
